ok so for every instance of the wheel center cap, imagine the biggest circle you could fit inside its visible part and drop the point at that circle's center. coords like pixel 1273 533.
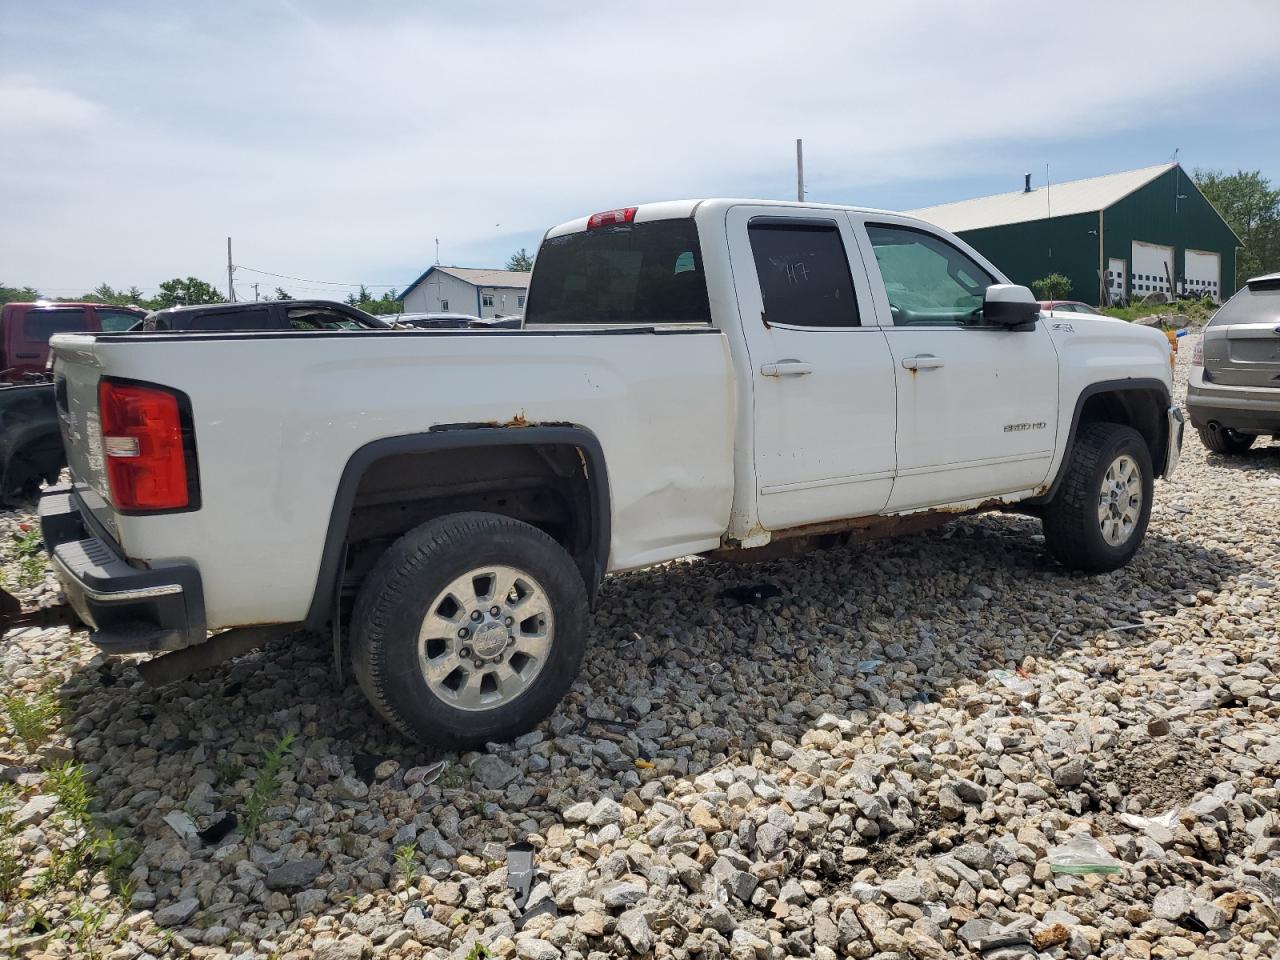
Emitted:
pixel 489 639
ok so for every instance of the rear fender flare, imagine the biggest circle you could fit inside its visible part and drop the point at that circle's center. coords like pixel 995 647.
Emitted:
pixel 458 437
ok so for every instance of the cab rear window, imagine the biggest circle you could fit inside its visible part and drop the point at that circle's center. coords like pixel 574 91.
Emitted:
pixel 631 273
pixel 40 325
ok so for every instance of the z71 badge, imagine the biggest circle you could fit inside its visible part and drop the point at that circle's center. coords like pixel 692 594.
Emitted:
pixel 1019 427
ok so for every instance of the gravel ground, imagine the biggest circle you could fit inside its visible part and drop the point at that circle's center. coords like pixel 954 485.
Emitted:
pixel 894 758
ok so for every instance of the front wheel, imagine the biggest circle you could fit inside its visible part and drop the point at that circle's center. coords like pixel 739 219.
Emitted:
pixel 1224 439
pixel 1098 517
pixel 470 628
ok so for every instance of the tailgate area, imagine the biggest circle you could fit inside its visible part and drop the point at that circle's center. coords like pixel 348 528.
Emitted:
pixel 131 610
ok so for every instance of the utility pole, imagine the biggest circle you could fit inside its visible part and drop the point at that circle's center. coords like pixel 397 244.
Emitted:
pixel 231 287
pixel 799 171
pixel 437 251
pixel 255 292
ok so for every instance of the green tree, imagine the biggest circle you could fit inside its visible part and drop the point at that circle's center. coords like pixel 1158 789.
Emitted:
pixel 520 260
pixel 281 294
pixel 105 293
pixel 1053 287
pixel 18 294
pixel 178 292
pixel 387 303
pixel 1251 206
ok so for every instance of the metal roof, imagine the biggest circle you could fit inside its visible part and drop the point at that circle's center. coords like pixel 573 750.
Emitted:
pixel 477 277
pixel 1057 199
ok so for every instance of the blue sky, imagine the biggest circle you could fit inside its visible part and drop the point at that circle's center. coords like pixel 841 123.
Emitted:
pixel 336 141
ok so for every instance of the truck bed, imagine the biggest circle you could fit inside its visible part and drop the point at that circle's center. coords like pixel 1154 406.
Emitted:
pixel 277 416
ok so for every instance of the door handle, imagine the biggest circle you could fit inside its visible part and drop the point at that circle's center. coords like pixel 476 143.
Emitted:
pixel 922 361
pixel 786 368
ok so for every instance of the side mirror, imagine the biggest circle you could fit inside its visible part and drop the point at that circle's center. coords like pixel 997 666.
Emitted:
pixel 1010 305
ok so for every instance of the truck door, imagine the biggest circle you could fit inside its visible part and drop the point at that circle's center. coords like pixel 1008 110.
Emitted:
pixel 977 405
pixel 823 386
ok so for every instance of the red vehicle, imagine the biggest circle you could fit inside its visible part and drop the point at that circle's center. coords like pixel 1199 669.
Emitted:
pixel 25 329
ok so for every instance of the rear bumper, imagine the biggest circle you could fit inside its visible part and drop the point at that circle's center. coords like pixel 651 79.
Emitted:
pixel 1239 408
pixel 131 609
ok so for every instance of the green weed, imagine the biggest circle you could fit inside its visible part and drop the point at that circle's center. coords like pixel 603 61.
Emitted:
pixel 27 549
pixel 229 769
pixel 406 862
pixel 110 849
pixel 266 782
pixel 478 951
pixel 454 776
pixel 85 922
pixel 32 717
pixel 67 780
pixel 10 862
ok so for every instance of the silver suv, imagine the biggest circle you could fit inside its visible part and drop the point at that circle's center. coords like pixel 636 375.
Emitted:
pixel 1233 394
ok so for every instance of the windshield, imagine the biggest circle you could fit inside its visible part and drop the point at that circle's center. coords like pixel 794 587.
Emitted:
pixel 632 273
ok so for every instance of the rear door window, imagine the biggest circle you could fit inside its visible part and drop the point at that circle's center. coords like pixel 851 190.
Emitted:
pixel 113 321
pixel 804 272
pixel 321 318
pixel 40 325
pixel 250 318
pixel 628 273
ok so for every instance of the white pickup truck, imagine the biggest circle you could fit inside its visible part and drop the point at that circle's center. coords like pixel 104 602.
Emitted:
pixel 696 377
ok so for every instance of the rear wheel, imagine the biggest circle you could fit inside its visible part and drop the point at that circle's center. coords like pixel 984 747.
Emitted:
pixel 469 628
pixel 1224 440
pixel 1098 517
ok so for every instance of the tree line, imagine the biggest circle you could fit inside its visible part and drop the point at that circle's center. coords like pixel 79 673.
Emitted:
pixel 192 290
pixel 1251 206
pixel 186 291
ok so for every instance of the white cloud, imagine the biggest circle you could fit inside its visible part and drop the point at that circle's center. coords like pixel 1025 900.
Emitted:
pixel 30 107
pixel 338 144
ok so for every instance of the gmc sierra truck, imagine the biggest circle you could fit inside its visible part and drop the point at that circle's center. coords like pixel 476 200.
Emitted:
pixel 720 377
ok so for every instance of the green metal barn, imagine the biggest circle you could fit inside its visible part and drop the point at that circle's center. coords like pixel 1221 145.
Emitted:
pixel 1117 238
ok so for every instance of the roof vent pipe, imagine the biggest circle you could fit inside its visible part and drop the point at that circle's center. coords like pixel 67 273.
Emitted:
pixel 1026 183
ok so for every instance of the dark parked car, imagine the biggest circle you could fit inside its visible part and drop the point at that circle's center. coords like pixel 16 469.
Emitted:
pixel 261 315
pixel 25 329
pixel 1233 392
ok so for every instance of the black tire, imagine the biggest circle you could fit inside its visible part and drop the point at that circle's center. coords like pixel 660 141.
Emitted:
pixel 408 578
pixel 1225 440
pixel 1072 531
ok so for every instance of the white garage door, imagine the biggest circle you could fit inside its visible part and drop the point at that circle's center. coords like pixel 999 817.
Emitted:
pixel 1203 273
pixel 1152 267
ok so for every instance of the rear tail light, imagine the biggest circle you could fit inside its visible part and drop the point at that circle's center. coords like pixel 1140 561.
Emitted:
pixel 610 218
pixel 1197 352
pixel 148 446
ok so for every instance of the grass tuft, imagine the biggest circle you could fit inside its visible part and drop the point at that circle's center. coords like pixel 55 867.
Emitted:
pixel 27 550
pixel 33 718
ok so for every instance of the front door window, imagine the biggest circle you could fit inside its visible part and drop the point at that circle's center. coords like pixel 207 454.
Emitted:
pixel 928 281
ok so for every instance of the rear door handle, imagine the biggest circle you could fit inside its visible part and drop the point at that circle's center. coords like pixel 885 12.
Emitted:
pixel 922 361
pixel 786 368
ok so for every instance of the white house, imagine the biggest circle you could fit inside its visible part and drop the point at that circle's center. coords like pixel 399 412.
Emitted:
pixel 481 293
